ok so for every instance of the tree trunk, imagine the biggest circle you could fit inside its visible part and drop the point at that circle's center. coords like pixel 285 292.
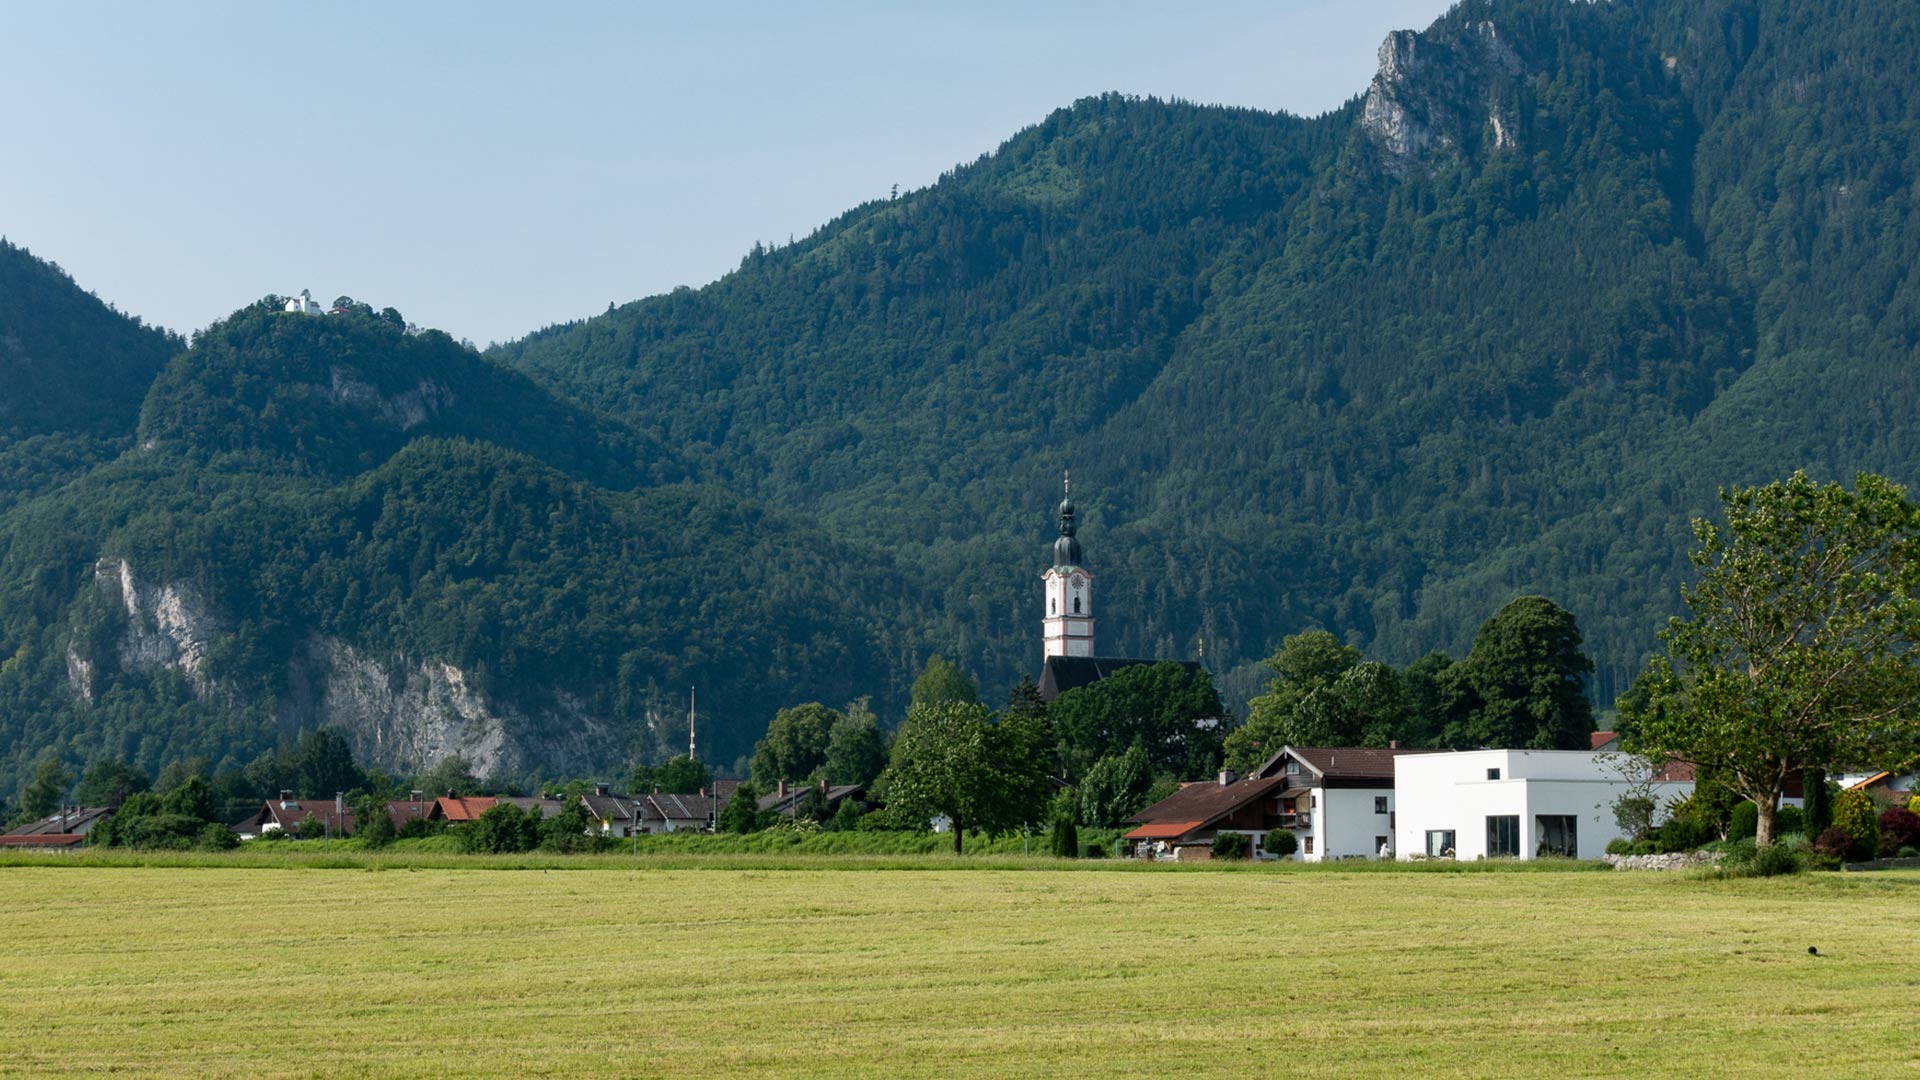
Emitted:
pixel 1765 802
pixel 956 836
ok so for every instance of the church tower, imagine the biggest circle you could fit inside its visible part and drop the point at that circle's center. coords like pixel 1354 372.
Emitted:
pixel 1068 626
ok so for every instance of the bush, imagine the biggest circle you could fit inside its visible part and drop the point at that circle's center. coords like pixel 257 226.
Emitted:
pixel 1774 860
pixel 216 837
pixel 1788 819
pixel 310 829
pixel 420 829
pixel 1619 845
pixel 1745 822
pixel 1854 815
pixel 1913 804
pixel 1684 832
pixel 1282 843
pixel 1231 845
pixel 1833 847
pixel 1907 853
pixel 1898 829
pixel 1093 851
pixel 503 829
pixel 1066 838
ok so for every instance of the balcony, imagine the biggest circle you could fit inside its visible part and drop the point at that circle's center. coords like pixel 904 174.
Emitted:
pixel 1301 820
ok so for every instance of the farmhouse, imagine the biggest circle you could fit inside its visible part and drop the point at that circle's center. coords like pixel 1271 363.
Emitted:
pixel 287 813
pixel 786 799
pixel 1339 800
pixel 61 831
pixel 454 809
pixel 1184 824
pixel 1475 804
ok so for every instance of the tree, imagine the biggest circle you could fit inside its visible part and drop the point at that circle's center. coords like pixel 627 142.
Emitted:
pixel 742 813
pixel 1066 837
pixel 1524 684
pixel 679 775
pixel 321 765
pixel 109 782
pixel 1170 710
pixel 1115 788
pixel 952 760
pixel 44 794
pixel 942 682
pixel 1801 638
pixel 1305 668
pixel 451 775
pixel 503 829
pixel 372 824
pixel 795 744
pixel 569 831
pixel 856 747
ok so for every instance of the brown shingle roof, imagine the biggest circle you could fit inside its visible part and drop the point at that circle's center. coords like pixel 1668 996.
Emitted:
pixel 68 822
pixel 1207 801
pixel 1344 762
pixel 41 840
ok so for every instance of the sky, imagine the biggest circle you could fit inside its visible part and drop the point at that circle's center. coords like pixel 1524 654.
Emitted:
pixel 490 169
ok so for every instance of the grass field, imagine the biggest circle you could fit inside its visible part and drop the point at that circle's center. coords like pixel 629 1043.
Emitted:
pixel 235 969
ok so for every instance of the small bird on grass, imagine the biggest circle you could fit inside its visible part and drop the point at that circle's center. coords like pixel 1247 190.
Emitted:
pixel 1813 950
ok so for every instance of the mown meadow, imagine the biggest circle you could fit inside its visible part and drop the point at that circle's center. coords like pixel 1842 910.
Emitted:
pixel 398 964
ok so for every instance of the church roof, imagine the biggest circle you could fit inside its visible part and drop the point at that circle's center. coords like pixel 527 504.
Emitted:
pixel 1063 673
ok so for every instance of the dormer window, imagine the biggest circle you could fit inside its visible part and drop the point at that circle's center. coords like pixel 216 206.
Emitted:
pixel 1293 768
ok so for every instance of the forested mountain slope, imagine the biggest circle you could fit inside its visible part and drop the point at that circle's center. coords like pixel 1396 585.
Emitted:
pixel 335 521
pixel 1499 325
pixel 72 374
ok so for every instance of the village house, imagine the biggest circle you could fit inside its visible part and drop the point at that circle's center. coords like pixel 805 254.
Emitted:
pixel 1339 801
pixel 662 813
pixel 547 806
pixel 414 808
pixel 287 813
pixel 454 809
pixel 610 814
pixel 1475 804
pixel 1183 825
pixel 786 799
pixel 62 831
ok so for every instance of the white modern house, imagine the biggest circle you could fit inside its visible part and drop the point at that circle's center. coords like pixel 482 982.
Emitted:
pixel 1339 801
pixel 1474 804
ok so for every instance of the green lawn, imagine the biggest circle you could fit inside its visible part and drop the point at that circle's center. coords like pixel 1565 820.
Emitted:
pixel 255 970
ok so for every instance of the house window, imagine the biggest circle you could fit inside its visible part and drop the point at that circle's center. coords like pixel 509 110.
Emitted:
pixel 1503 835
pixel 1555 834
pixel 1493 774
pixel 1379 804
pixel 1313 802
pixel 1293 768
pixel 1380 845
pixel 1440 843
pixel 1308 848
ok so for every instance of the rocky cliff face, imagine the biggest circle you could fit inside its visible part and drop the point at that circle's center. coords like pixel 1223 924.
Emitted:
pixel 1431 96
pixel 398 712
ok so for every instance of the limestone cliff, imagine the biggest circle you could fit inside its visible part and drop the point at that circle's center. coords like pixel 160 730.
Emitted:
pixel 1433 95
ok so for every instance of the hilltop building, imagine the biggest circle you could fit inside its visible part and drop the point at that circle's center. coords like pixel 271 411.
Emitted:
pixel 1068 657
pixel 304 304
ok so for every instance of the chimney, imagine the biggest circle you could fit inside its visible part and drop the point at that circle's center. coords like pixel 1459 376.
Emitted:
pixel 600 789
pixel 823 785
pixel 417 795
pixel 1227 776
pixel 1394 745
pixel 783 788
pixel 340 805
pixel 285 798
pixel 656 789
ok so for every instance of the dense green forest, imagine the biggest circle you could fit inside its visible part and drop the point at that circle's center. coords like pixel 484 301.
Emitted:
pixel 1497 327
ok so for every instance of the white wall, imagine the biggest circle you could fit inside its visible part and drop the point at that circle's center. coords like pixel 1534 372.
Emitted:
pixel 1451 791
pixel 1344 824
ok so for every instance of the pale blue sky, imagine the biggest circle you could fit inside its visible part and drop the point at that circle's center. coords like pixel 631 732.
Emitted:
pixel 491 168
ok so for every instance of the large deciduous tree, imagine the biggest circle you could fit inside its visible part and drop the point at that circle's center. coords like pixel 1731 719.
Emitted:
pixel 1801 643
pixel 795 744
pixel 952 760
pixel 1169 710
pixel 1524 684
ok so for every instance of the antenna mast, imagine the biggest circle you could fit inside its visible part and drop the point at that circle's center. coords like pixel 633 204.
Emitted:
pixel 691 756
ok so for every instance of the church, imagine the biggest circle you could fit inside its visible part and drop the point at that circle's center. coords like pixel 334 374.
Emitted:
pixel 1069 659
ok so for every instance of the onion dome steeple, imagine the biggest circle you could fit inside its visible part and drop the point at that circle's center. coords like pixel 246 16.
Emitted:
pixel 1066 550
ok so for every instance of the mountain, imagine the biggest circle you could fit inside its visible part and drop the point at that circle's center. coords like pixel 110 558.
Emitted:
pixel 73 372
pixel 339 521
pixel 1499 325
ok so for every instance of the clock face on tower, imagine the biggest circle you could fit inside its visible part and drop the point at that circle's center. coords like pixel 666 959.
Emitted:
pixel 1078 581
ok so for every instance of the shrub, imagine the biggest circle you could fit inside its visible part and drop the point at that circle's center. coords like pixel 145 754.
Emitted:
pixel 1898 829
pixel 1282 843
pixel 1913 804
pixel 503 829
pixel 1093 851
pixel 1832 847
pixel 1745 822
pixel 1066 837
pixel 420 829
pixel 1854 815
pixel 216 837
pixel 1231 845
pixel 1788 819
pixel 1619 845
pixel 310 829
pixel 847 817
pixel 1907 853
pixel 1774 860
pixel 1684 832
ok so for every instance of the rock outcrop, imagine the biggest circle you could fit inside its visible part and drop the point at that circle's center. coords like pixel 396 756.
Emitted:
pixel 1432 96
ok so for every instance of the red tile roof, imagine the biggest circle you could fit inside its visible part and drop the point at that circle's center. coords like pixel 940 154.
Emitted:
pixel 468 808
